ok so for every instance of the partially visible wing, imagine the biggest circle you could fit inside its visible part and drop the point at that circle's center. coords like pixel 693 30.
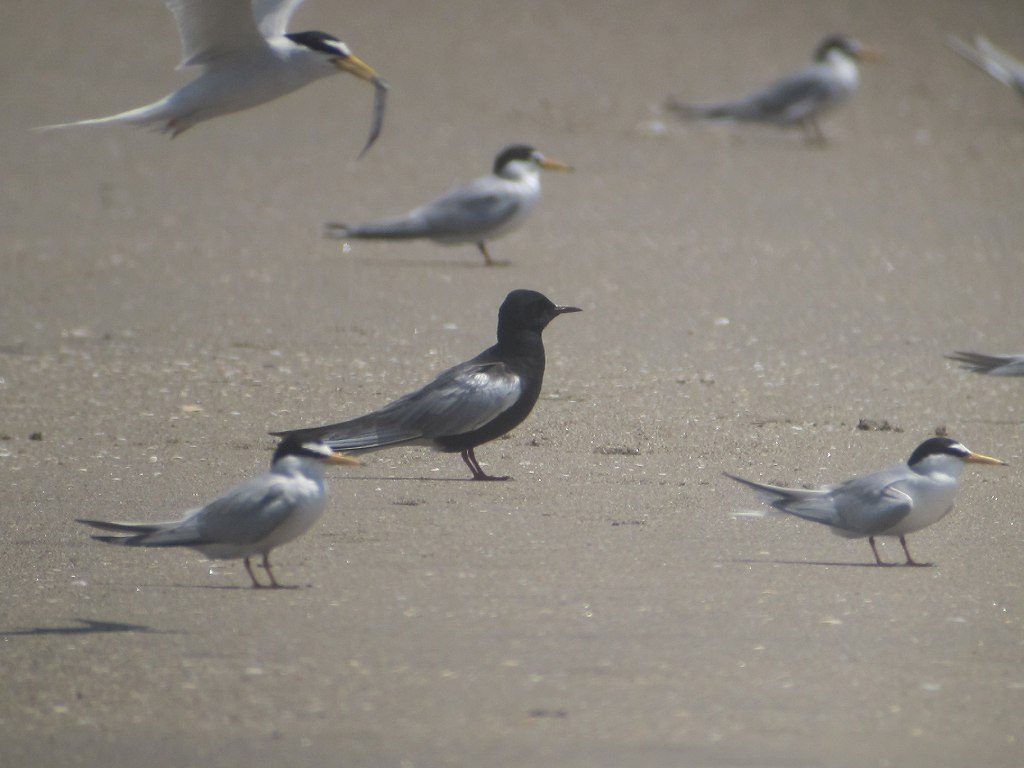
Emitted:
pixel 272 16
pixel 994 365
pixel 1012 66
pixel 991 60
pixel 210 29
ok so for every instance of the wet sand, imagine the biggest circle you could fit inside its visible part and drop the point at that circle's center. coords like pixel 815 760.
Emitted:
pixel 748 301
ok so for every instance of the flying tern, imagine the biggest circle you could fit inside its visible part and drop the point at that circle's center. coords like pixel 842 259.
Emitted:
pixel 482 210
pixel 252 518
pixel 246 58
pixel 466 406
pixel 892 502
pixel 799 98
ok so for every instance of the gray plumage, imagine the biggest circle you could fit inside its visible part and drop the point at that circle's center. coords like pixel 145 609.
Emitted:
pixel 891 502
pixel 481 210
pixel 994 365
pixel 252 518
pixel 245 58
pixel 467 405
pixel 798 99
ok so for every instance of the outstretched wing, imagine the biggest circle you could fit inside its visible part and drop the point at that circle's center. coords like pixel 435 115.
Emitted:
pixel 210 29
pixel 272 16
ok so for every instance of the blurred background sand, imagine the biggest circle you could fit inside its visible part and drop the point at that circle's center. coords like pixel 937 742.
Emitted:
pixel 747 302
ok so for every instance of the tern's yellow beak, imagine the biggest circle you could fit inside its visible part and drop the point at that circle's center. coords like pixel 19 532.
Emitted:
pixel 870 54
pixel 977 458
pixel 342 459
pixel 356 66
pixel 554 165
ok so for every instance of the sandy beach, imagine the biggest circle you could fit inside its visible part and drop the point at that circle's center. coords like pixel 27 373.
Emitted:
pixel 750 304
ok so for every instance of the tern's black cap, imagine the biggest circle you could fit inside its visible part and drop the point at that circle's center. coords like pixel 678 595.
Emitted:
pixel 843 43
pixel 512 153
pixel 321 42
pixel 935 446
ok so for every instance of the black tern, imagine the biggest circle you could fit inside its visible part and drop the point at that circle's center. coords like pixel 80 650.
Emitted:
pixel 473 403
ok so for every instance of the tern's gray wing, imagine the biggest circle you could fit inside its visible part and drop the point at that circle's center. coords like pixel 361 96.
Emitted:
pixel 995 365
pixel 862 506
pixel 140 530
pixel 786 101
pixel 809 503
pixel 465 213
pixel 790 99
pixel 247 514
pixel 209 30
pixel 244 515
pixel 874 503
pixel 476 208
pixel 460 400
pixel 272 16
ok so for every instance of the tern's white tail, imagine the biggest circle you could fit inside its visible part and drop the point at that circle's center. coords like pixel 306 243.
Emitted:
pixel 153 116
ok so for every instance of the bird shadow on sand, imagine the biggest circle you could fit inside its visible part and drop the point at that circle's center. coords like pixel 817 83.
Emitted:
pixel 385 478
pixel 828 564
pixel 756 137
pixel 250 587
pixel 85 627
pixel 433 263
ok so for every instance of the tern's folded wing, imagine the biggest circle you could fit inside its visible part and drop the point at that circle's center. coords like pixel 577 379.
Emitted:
pixel 247 514
pixel 460 400
pixel 475 208
pixel 790 99
pixel 873 503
